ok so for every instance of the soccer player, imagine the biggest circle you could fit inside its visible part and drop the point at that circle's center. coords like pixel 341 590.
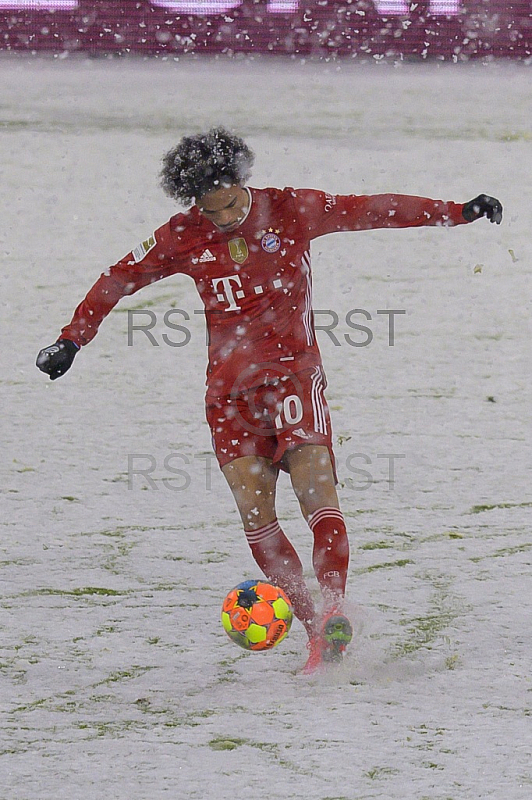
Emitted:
pixel 248 251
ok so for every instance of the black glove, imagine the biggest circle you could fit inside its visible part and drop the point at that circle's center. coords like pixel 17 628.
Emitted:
pixel 57 359
pixel 483 206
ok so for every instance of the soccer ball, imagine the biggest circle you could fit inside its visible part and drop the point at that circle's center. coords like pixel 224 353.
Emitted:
pixel 257 615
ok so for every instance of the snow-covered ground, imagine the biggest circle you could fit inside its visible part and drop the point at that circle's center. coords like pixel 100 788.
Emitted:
pixel 116 678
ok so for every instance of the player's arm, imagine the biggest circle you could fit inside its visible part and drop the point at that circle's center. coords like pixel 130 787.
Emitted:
pixel 323 213
pixel 151 261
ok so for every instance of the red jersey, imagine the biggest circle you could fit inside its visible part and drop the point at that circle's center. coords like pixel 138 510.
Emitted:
pixel 254 281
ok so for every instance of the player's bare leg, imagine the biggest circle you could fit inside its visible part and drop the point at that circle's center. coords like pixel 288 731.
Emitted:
pixel 253 481
pixel 313 480
pixel 312 476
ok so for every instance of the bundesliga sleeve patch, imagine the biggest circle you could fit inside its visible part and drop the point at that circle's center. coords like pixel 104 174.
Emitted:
pixel 144 248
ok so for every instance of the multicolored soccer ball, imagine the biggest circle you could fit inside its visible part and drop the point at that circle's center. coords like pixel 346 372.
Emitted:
pixel 257 615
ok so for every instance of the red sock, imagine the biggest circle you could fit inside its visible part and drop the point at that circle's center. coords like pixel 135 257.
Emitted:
pixel 331 552
pixel 280 563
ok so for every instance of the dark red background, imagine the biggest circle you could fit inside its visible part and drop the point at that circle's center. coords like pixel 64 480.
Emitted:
pixel 483 28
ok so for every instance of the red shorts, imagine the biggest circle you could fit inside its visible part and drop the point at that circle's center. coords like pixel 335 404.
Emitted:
pixel 269 420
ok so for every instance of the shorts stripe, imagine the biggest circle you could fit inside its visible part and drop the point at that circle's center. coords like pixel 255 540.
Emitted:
pixel 318 406
pixel 307 313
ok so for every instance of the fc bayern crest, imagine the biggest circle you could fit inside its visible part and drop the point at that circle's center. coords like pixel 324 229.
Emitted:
pixel 270 242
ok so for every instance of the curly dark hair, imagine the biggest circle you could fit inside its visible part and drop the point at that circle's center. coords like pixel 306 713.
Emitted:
pixel 203 163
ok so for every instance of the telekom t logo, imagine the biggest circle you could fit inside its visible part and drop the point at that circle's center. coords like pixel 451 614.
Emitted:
pixel 227 293
pixel 386 8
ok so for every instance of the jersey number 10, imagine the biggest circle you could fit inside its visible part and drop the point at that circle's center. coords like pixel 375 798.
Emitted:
pixel 292 411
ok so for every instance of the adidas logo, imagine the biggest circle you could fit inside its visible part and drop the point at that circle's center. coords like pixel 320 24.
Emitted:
pixel 301 433
pixel 206 256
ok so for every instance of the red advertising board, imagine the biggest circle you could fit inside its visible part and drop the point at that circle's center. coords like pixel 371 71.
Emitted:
pixel 365 29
